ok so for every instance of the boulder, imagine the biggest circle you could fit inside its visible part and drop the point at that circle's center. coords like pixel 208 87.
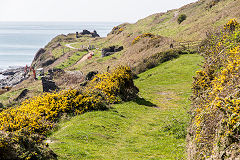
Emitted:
pixel 118 48
pixel 48 85
pixel 22 95
pixel 85 32
pixel 95 34
pixel 9 73
pixel 111 50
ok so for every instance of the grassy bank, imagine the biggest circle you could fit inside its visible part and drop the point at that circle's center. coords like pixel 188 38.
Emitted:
pixel 152 127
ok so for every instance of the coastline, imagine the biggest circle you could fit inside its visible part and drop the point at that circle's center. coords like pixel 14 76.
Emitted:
pixel 11 77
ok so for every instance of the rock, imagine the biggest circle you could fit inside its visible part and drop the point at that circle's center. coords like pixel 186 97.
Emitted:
pixel 22 95
pixel 86 32
pixel 111 50
pixel 48 85
pixel 117 49
pixel 91 75
pixel 95 34
pixel 13 77
pixel 10 73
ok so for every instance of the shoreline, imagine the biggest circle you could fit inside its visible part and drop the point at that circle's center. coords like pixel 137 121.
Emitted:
pixel 11 77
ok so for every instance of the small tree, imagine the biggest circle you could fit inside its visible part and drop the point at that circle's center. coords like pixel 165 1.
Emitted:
pixel 181 18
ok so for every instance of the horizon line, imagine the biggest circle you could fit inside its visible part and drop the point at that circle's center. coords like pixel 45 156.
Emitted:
pixel 72 21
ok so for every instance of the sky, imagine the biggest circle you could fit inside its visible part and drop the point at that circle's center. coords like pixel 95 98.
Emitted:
pixel 84 10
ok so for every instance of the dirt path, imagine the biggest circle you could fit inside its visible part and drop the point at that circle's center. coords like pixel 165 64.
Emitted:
pixel 69 45
pixel 84 58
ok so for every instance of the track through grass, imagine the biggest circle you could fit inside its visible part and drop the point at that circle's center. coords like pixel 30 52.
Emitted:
pixel 151 127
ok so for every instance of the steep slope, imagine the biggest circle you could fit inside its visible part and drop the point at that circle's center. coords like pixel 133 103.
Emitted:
pixel 215 124
pixel 202 16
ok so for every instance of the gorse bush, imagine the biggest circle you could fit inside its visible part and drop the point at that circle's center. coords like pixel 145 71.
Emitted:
pixel 181 18
pixel 215 125
pixel 38 115
pixel 138 38
pixel 114 86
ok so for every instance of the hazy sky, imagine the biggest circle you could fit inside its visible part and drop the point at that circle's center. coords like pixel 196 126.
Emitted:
pixel 84 10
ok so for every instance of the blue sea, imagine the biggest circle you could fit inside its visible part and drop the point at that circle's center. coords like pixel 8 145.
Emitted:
pixel 19 41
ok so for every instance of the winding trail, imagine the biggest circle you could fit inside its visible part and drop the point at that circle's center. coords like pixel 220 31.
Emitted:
pixel 69 45
pixel 84 58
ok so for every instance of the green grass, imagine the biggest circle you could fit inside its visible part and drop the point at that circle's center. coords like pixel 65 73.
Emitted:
pixel 71 60
pixel 137 129
pixel 58 52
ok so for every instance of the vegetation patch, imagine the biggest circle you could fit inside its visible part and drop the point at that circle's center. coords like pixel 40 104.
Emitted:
pixel 71 60
pixel 216 114
pixel 135 129
pixel 181 18
pixel 38 115
pixel 138 38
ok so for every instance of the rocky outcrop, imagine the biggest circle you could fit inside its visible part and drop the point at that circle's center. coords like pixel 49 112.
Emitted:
pixel 22 95
pixel 111 50
pixel 95 34
pixel 13 77
pixel 86 32
pixel 48 85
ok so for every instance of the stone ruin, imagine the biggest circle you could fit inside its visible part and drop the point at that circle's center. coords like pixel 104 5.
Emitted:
pixel 86 32
pixel 111 50
pixel 48 85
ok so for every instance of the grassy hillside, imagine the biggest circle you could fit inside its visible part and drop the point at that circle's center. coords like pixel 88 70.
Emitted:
pixel 202 16
pixel 151 127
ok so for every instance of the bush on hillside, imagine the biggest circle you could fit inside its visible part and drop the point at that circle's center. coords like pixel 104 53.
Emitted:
pixel 213 3
pixel 138 38
pixel 115 86
pixel 215 131
pixel 181 18
pixel 23 128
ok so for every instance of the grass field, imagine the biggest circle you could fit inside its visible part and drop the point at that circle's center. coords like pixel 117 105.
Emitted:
pixel 151 127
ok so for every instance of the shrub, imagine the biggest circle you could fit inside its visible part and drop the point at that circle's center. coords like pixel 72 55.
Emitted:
pixel 181 18
pixel 216 114
pixel 115 86
pixel 213 3
pixel 26 125
pixel 143 36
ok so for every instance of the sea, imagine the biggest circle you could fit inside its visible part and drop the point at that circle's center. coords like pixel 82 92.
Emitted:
pixel 19 41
